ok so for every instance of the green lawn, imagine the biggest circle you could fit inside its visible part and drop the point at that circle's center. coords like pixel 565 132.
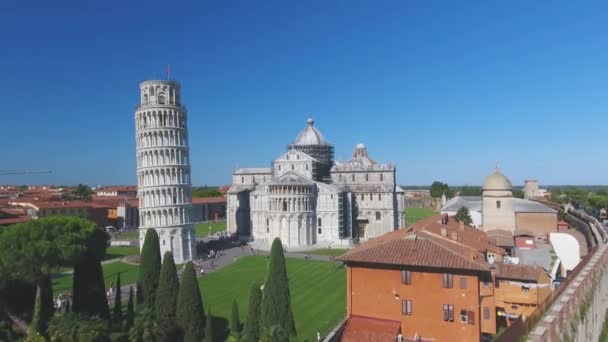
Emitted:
pixel 128 275
pixel 328 251
pixel 318 293
pixel 202 229
pixel 413 215
pixel 128 235
pixel 119 252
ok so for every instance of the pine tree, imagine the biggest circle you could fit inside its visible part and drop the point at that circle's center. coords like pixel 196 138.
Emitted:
pixel 130 317
pixel 89 288
pixel 166 300
pixel 117 316
pixel 190 312
pixel 149 269
pixel 251 332
pixel 276 302
pixel 209 327
pixel 235 323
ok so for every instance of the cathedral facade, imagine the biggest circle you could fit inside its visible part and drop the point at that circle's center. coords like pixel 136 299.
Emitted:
pixel 305 198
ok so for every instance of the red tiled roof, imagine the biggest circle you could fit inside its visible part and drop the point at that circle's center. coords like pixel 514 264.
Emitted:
pixel 518 272
pixel 501 237
pixel 417 249
pixel 366 329
pixel 13 211
pixel 208 200
pixel 467 235
pixel 62 204
pixel 13 220
pixel 118 188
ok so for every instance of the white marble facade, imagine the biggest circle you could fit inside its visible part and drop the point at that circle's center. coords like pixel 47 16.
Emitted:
pixel 306 198
pixel 163 169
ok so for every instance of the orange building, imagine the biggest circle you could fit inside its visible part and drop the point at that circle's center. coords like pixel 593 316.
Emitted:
pixel 439 281
pixel 519 289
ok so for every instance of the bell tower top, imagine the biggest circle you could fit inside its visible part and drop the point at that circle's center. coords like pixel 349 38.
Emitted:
pixel 160 92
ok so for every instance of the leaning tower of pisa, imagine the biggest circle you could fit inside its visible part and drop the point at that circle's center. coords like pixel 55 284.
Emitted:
pixel 163 169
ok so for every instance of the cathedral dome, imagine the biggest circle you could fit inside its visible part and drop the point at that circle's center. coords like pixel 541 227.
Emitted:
pixel 310 135
pixel 497 181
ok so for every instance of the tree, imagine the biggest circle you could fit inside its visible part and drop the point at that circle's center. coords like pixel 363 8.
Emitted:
pixel 251 332
pixel 439 188
pixel 130 316
pixel 117 314
pixel 470 191
pixel 166 300
pixel 36 249
pixel 149 270
pixel 235 323
pixel 40 319
pixel 518 193
pixel 89 288
pixel 139 299
pixel 82 192
pixel 73 327
pixel 276 301
pixel 275 334
pixel 206 192
pixel 209 327
pixel 463 215
pixel 190 314
pixel 144 328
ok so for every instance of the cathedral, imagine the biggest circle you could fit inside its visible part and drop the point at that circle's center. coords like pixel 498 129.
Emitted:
pixel 307 199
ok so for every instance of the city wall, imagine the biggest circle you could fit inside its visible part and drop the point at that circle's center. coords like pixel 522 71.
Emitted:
pixel 578 314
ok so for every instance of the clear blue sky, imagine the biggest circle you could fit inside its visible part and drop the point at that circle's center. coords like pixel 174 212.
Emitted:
pixel 443 89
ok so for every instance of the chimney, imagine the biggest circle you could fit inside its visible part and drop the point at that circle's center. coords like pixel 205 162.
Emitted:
pixel 461 225
pixel 455 236
pixel 444 232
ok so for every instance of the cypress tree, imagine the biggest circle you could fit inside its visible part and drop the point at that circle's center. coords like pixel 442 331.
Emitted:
pixel 37 325
pixel 251 332
pixel 138 297
pixel 118 302
pixel 130 311
pixel 43 307
pixel 276 302
pixel 209 327
pixel 166 300
pixel 190 312
pixel 89 288
pixel 235 323
pixel 149 269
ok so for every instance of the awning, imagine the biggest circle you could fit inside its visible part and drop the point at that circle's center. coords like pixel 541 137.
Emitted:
pixel 366 329
pixel 362 218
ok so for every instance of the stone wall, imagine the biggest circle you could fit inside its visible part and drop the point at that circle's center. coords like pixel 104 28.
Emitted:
pixel 579 313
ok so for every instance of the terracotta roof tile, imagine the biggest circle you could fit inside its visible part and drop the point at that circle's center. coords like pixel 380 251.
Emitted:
pixel 13 220
pixel 209 200
pixel 366 329
pixel 518 272
pixel 467 235
pixel 417 249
